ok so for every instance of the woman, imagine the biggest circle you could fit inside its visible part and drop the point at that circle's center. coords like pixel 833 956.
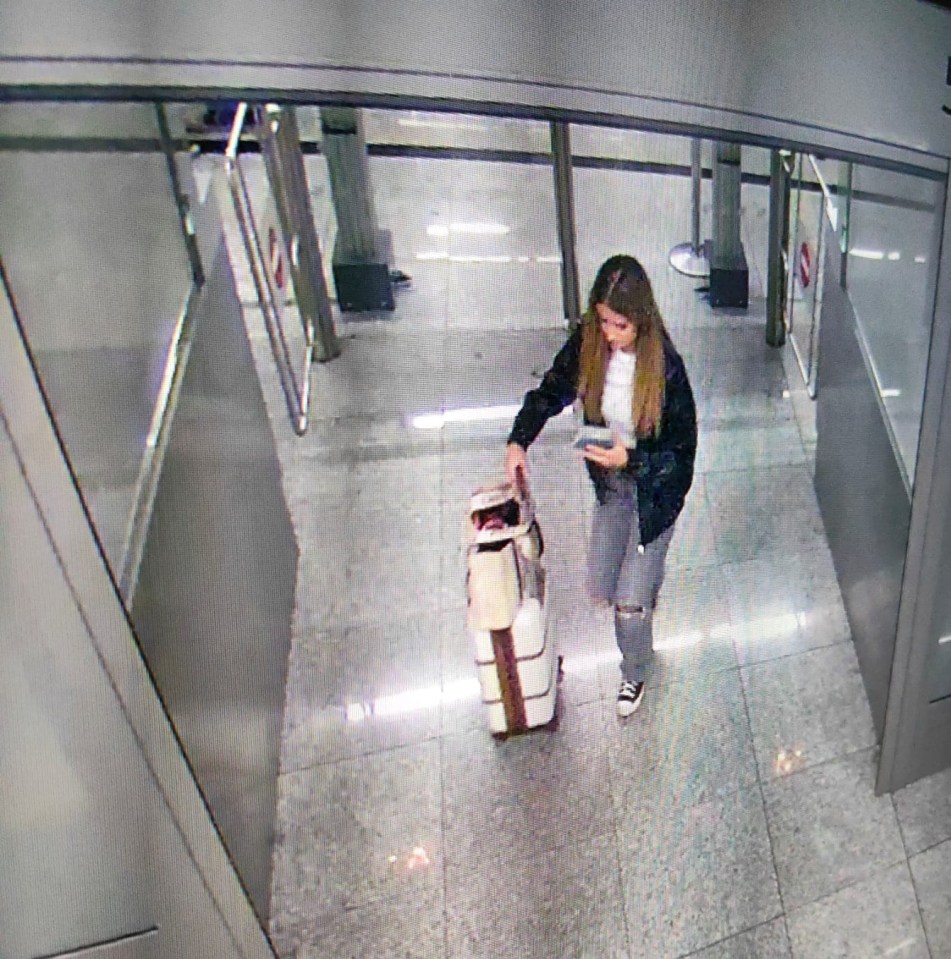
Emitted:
pixel 622 366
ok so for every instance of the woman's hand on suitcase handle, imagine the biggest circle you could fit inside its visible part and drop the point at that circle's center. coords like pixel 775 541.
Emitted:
pixel 516 461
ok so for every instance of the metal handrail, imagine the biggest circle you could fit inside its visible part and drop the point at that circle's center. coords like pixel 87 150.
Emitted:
pixel 807 365
pixel 296 394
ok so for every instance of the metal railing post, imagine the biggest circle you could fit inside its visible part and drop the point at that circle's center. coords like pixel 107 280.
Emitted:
pixel 776 248
pixel 565 211
pixel 690 258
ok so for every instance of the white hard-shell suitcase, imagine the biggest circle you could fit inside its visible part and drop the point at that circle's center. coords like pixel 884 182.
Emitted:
pixel 507 614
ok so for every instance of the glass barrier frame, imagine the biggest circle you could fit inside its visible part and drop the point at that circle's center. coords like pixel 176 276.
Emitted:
pixel 295 385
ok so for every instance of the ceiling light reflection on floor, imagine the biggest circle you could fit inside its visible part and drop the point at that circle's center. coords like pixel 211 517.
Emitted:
pixel 681 641
pixel 788 761
pixel 469 414
pixel 472 414
pixel 471 229
pixel 417 858
pixel 413 700
pixel 430 256
pixel 454 258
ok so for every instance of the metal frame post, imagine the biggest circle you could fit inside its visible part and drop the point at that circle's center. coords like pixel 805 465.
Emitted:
pixel 284 161
pixel 181 199
pixel 565 211
pixel 690 258
pixel 776 247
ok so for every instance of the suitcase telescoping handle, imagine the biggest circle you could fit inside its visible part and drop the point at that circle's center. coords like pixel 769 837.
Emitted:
pixel 521 483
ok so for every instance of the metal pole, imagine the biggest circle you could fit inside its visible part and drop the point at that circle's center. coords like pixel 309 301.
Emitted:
pixel 775 273
pixel 695 176
pixel 565 209
pixel 690 258
pixel 311 287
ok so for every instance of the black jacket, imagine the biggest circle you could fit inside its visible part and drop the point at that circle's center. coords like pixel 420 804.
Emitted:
pixel 661 467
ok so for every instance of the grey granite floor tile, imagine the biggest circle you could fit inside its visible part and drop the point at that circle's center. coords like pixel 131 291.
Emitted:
pixel 688 743
pixel 807 708
pixel 374 587
pixel 875 917
pixel 336 534
pixel 744 532
pixel 390 482
pixel 758 409
pixel 694 542
pixel 692 625
pixel 361 689
pixel 829 829
pixel 696 875
pixel 532 793
pixel 763 510
pixel 924 812
pixel 746 448
pixel 768 941
pixel 564 904
pixel 931 871
pixel 784 603
pixel 402 928
pixel 354 832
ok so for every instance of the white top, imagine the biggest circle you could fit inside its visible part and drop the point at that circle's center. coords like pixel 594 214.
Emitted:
pixel 618 390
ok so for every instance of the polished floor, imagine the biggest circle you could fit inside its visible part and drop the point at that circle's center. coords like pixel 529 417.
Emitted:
pixel 733 816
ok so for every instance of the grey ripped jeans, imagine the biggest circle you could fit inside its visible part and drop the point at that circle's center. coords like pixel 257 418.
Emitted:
pixel 620 573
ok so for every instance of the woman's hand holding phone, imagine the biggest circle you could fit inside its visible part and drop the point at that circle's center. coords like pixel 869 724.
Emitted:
pixel 614 457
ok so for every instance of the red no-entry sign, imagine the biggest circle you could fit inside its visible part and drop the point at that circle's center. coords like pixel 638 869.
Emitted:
pixel 805 265
pixel 276 257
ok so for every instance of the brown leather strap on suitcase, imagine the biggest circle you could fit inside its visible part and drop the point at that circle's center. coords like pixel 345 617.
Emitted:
pixel 503 649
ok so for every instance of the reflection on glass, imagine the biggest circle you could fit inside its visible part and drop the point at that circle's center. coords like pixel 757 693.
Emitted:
pixel 810 212
pixel 892 234
pixel 94 251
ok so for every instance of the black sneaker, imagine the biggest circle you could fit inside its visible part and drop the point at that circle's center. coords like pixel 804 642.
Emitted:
pixel 629 698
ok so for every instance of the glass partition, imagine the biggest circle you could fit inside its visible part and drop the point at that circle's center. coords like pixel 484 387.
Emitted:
pixel 810 210
pixel 894 223
pixel 472 244
pixel 94 250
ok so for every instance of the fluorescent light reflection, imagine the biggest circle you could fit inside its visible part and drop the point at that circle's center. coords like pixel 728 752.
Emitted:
pixel 439 124
pixel 867 254
pixel 478 414
pixel 460 258
pixel 473 229
pixel 921 259
pixel 413 700
pixel 894 255
pixel 445 256
pixel 890 394
pixel 474 414
pixel 430 697
pixel 681 641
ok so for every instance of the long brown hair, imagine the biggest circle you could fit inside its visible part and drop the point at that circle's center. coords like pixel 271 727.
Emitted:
pixel 622 285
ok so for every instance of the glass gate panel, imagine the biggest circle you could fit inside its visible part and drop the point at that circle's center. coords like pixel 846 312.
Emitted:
pixel 893 236
pixel 811 206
